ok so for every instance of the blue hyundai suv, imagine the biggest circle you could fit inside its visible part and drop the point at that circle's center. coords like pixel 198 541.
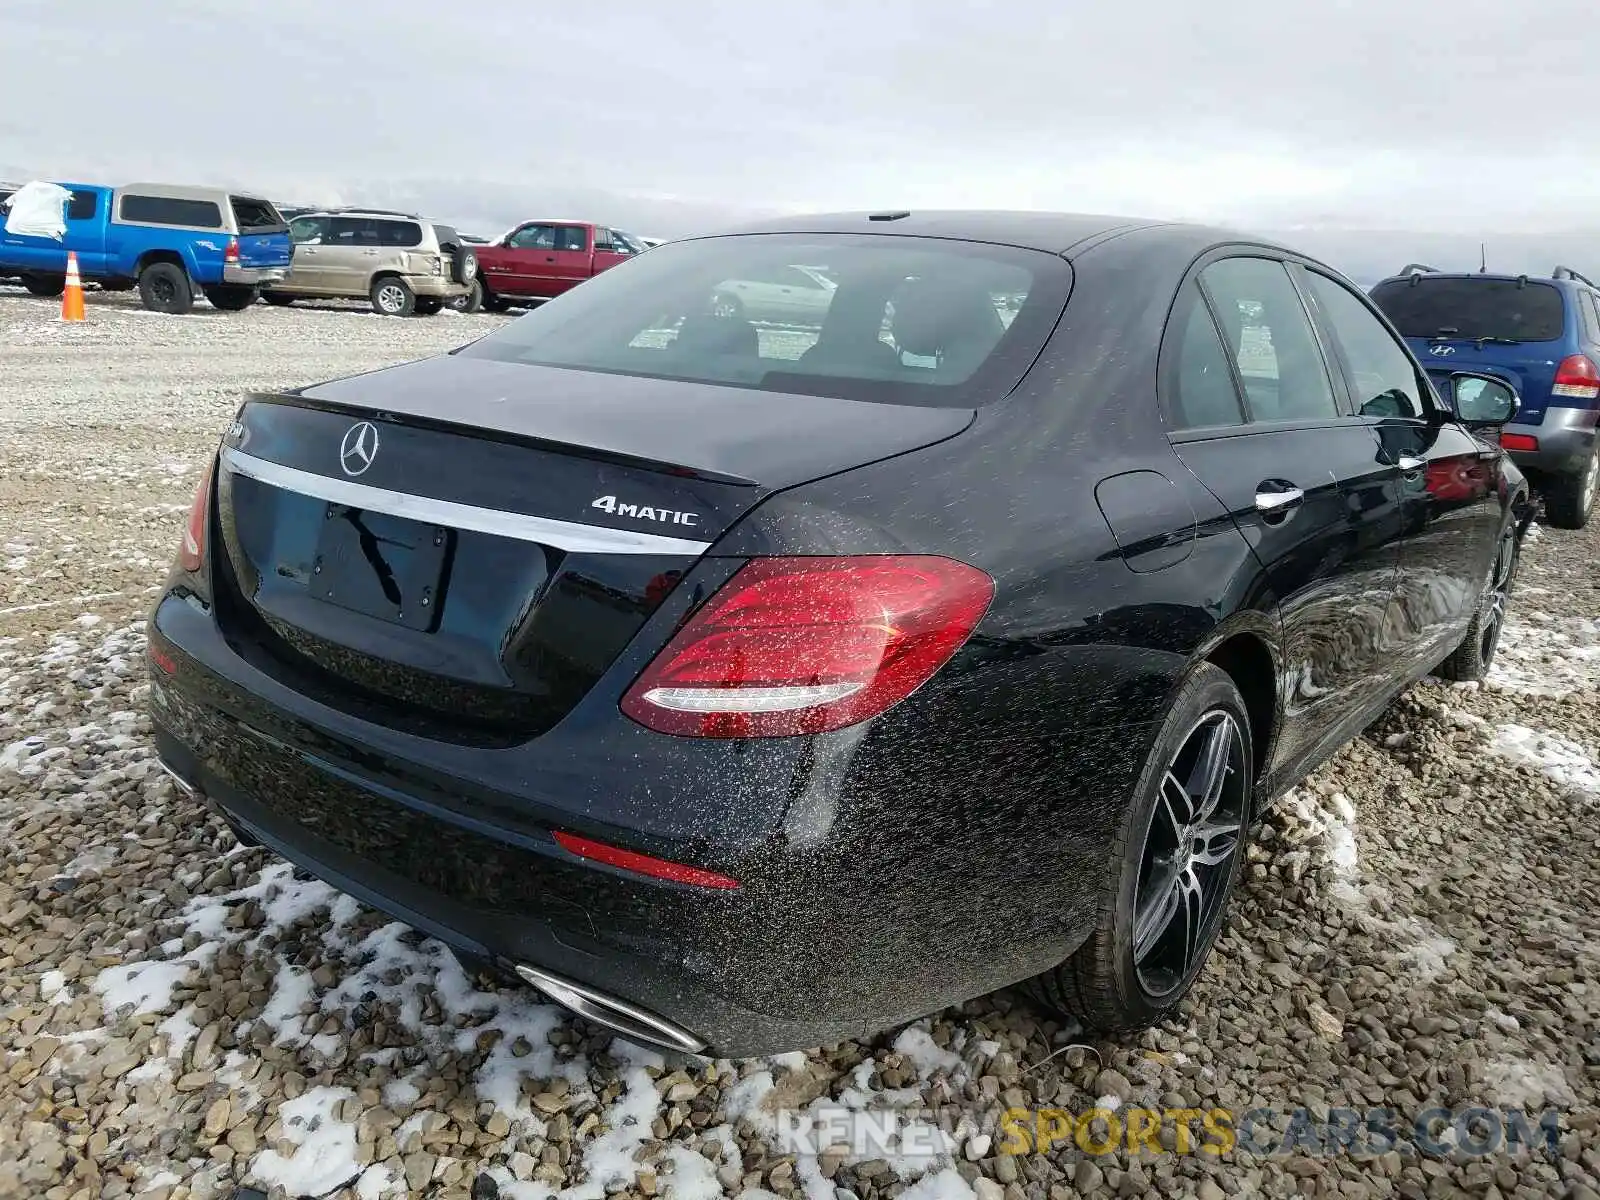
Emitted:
pixel 1543 336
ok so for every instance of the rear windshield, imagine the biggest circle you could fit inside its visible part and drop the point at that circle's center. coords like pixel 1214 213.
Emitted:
pixel 446 236
pixel 1472 308
pixel 892 319
pixel 256 216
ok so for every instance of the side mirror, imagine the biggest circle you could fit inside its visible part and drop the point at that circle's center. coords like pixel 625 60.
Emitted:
pixel 1483 401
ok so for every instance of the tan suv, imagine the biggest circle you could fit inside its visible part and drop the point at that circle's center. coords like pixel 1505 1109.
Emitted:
pixel 398 262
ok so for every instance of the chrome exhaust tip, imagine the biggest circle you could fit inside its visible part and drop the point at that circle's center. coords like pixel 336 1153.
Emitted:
pixel 616 1015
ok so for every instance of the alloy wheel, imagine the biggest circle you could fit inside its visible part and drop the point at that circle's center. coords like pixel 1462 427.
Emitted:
pixel 1499 596
pixel 391 299
pixel 1187 860
pixel 1591 483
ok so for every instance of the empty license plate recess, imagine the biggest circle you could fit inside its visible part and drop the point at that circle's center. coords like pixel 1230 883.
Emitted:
pixel 382 566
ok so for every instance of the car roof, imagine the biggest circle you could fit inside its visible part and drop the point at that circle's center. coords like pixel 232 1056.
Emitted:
pixel 1052 232
pixel 366 212
pixel 183 191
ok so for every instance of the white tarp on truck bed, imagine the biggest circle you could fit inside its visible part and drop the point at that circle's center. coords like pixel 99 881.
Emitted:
pixel 38 210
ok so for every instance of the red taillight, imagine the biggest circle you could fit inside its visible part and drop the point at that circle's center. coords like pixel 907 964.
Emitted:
pixel 231 254
pixel 1519 441
pixel 163 660
pixel 1576 378
pixel 642 864
pixel 193 551
pixel 806 645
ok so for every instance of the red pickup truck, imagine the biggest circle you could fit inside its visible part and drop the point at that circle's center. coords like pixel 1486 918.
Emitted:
pixel 541 259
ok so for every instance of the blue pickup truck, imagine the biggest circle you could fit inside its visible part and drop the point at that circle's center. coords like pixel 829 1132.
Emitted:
pixel 164 240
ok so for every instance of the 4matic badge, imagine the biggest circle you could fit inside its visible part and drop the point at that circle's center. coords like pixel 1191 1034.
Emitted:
pixel 645 512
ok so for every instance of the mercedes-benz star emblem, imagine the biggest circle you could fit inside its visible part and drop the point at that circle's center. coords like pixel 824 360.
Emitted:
pixel 359 448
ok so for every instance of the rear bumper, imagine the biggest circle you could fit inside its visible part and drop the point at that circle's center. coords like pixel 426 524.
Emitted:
pixel 1566 437
pixel 915 901
pixel 253 276
pixel 436 285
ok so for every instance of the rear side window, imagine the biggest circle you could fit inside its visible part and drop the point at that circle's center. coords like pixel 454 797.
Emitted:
pixel 1379 369
pixel 899 320
pixel 255 216
pixel 1422 307
pixel 572 237
pixel 1203 392
pixel 398 233
pixel 82 206
pixel 168 210
pixel 1269 336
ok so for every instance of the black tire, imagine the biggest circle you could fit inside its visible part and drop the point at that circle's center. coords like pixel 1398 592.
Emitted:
pixel 392 296
pixel 1569 500
pixel 428 305
pixel 472 301
pixel 1101 984
pixel 491 302
pixel 1472 659
pixel 231 297
pixel 118 285
pixel 280 299
pixel 164 287
pixel 45 285
pixel 464 265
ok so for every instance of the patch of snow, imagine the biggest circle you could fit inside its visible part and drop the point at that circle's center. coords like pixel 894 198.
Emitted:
pixel 1520 1083
pixel 1562 760
pixel 53 988
pixel 325 1147
pixel 147 986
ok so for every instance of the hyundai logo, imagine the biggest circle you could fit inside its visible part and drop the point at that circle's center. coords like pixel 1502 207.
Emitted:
pixel 359 448
pixel 1442 351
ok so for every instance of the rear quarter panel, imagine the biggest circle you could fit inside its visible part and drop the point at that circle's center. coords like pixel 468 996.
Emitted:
pixel 129 246
pixel 1035 734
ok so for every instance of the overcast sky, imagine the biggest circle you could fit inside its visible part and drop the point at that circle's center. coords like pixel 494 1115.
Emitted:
pixel 1464 117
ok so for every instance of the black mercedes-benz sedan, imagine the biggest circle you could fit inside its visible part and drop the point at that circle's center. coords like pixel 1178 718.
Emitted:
pixel 747 685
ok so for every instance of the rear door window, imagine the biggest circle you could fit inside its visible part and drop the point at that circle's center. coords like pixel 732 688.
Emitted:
pixel 83 206
pixel 1383 381
pixel 169 210
pixel 572 238
pixel 1468 307
pixel 1269 336
pixel 352 231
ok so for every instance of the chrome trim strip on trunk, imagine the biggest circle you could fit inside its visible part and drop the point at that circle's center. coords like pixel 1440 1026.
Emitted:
pixel 565 535
pixel 618 1015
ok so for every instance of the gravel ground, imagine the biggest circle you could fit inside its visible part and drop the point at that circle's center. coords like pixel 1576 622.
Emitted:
pixel 179 1015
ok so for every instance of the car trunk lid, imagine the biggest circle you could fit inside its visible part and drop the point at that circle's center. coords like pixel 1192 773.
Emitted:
pixel 473 578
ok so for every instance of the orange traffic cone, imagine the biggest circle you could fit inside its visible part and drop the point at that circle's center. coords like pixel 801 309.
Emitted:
pixel 72 296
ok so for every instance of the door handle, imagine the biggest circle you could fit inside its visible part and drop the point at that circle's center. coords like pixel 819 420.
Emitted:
pixel 1279 501
pixel 1409 462
pixel 550 258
